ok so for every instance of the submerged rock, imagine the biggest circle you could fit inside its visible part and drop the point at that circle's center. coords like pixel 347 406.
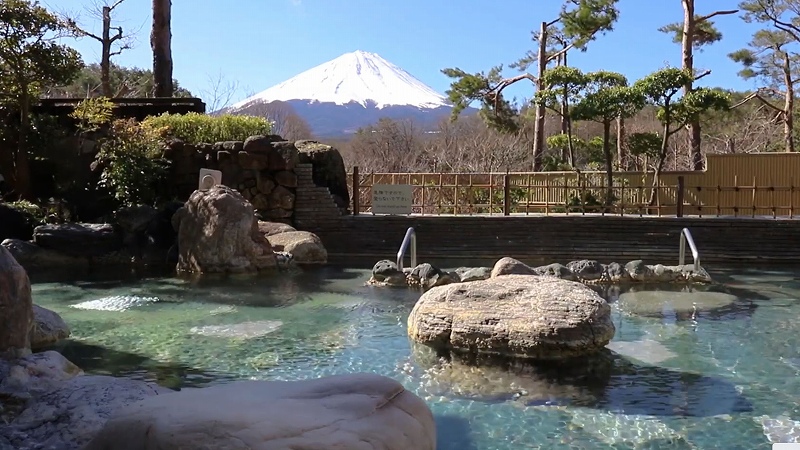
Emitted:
pixel 218 232
pixel 246 330
pixel 523 316
pixel 346 411
pixel 650 303
pixel 48 328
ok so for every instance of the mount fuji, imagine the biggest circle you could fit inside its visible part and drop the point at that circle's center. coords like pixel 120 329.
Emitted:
pixel 352 91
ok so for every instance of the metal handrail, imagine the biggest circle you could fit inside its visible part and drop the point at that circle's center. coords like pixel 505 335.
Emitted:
pixel 686 236
pixel 409 239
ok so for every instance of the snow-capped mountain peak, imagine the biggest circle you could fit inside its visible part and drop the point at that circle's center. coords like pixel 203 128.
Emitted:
pixel 360 77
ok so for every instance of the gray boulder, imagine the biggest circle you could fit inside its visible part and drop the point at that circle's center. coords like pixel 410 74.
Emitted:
pixel 16 307
pixel 386 272
pixel 521 316
pixel 79 239
pixel 218 232
pixel 511 266
pixel 48 328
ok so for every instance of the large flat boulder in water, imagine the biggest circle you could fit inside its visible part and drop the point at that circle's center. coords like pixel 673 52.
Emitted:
pixel 355 411
pixel 524 316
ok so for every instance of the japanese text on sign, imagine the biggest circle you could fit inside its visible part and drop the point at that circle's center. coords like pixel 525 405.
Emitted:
pixel 392 199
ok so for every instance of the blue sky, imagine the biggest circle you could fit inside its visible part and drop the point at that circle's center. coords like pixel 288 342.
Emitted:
pixel 259 43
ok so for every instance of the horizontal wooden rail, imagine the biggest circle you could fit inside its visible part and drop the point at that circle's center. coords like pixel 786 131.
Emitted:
pixel 544 193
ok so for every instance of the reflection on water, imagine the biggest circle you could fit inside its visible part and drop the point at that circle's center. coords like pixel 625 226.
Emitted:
pixel 703 367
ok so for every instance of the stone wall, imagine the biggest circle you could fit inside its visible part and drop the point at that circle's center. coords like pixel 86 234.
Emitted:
pixel 543 240
pixel 265 170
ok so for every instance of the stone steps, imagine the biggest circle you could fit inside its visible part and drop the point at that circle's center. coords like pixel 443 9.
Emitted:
pixel 314 206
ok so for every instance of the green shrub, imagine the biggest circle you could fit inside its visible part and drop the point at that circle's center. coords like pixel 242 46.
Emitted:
pixel 194 128
pixel 93 113
pixel 133 167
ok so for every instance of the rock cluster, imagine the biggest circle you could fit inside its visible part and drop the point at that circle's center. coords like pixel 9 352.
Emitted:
pixel 386 273
pixel 139 234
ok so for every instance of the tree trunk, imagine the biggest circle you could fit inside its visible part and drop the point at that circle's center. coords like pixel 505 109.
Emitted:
pixel 622 158
pixel 538 130
pixel 22 169
pixel 161 42
pixel 788 105
pixel 662 157
pixel 609 163
pixel 105 57
pixel 687 56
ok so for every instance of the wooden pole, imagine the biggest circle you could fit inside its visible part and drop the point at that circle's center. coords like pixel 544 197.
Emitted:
pixel 506 194
pixel 356 191
pixel 679 197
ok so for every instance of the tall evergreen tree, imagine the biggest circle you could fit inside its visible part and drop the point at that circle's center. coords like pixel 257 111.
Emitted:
pixel 581 21
pixel 695 32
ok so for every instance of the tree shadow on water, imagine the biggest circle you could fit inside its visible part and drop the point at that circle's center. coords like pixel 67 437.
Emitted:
pixel 453 433
pixel 98 360
pixel 606 382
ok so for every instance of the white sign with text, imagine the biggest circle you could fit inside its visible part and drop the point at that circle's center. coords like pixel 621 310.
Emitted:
pixel 392 199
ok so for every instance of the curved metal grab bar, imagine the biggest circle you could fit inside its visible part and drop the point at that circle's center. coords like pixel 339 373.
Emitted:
pixel 686 236
pixel 410 239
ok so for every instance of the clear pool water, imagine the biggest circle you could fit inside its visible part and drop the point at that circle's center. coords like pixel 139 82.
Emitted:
pixel 688 370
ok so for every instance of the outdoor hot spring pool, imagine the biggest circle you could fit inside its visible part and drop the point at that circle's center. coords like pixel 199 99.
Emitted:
pixel 703 371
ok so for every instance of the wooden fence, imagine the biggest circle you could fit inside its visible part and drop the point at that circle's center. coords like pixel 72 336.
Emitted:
pixel 708 193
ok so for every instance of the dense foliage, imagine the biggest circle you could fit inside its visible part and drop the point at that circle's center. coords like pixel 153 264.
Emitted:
pixel 127 82
pixel 196 128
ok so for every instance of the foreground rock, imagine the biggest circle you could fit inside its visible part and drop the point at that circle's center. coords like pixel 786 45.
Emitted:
pixel 16 307
pixel 69 415
pixel 357 411
pixel 48 328
pixel 218 232
pixel 521 316
pixel 305 247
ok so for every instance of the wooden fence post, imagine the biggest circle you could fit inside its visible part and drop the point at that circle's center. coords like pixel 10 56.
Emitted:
pixel 506 195
pixel 679 197
pixel 356 191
